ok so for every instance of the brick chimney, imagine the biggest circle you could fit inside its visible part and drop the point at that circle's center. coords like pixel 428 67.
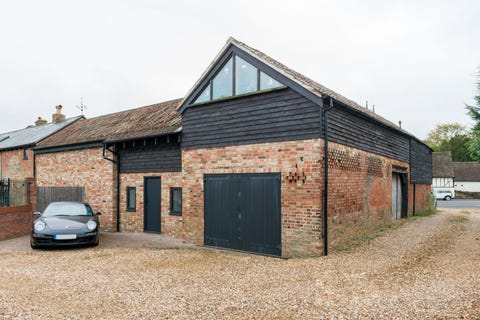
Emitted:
pixel 58 116
pixel 40 122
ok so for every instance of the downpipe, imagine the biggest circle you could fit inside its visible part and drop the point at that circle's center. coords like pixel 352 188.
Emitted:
pixel 117 165
pixel 325 167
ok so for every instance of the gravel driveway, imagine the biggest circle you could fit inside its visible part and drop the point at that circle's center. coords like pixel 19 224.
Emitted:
pixel 427 269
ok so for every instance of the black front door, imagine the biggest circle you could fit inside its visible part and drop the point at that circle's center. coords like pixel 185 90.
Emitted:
pixel 152 204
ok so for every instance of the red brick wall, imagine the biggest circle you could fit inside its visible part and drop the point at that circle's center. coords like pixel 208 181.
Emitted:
pixel 360 186
pixel 133 221
pixel 83 168
pixel 300 200
pixel 14 166
pixel 421 196
pixel 15 221
pixel 360 192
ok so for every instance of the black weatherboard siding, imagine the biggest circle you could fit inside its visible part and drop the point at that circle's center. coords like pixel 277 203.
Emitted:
pixel 355 130
pixel 420 163
pixel 279 115
pixel 284 115
pixel 151 158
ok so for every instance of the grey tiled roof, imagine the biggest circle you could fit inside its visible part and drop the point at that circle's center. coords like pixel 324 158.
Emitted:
pixel 32 135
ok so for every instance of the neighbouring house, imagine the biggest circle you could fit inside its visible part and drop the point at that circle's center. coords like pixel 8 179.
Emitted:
pixel 467 176
pixel 109 158
pixel 256 157
pixel 17 160
pixel 443 176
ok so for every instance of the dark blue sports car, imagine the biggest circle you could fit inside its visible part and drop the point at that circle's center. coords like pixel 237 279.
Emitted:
pixel 65 224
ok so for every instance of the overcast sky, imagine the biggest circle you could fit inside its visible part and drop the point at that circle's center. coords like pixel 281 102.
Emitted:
pixel 414 60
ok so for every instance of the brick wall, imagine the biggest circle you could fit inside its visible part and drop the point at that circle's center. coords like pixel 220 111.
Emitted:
pixel 15 221
pixel 132 221
pixel 14 166
pixel 301 223
pixel 360 186
pixel 83 168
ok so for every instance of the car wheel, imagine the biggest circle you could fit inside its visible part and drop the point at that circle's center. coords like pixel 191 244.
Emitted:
pixel 34 246
pixel 448 198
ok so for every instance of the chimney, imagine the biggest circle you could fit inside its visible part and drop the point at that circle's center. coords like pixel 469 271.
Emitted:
pixel 40 122
pixel 400 123
pixel 58 116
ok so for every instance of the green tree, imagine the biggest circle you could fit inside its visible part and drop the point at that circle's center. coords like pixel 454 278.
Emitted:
pixel 474 112
pixel 451 137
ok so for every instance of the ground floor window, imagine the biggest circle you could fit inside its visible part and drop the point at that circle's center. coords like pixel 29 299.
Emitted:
pixel 176 201
pixel 131 199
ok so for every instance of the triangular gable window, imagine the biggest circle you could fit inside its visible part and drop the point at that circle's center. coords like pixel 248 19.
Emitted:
pixel 236 77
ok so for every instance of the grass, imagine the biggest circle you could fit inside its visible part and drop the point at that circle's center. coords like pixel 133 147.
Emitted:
pixel 459 219
pixel 465 212
pixel 429 210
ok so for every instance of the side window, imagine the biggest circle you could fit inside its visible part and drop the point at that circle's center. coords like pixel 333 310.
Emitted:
pixel 131 199
pixel 25 153
pixel 176 201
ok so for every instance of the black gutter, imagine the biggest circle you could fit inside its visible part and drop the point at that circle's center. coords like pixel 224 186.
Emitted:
pixel 68 147
pixel 325 167
pixel 117 163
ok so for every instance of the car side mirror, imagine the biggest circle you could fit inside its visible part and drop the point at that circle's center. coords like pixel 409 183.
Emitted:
pixel 98 213
pixel 37 214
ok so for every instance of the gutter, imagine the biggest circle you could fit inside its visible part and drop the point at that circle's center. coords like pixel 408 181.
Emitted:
pixel 117 163
pixel 325 172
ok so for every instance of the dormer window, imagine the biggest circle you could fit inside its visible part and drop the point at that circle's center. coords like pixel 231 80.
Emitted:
pixel 236 77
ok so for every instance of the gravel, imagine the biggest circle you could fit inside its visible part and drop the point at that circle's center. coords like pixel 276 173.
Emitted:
pixel 427 269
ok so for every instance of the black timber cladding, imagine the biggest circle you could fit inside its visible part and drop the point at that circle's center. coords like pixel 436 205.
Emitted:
pixel 284 115
pixel 420 163
pixel 355 130
pixel 278 115
pixel 163 157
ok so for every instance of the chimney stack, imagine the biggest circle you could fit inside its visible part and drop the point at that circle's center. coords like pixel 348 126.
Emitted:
pixel 58 116
pixel 400 123
pixel 40 122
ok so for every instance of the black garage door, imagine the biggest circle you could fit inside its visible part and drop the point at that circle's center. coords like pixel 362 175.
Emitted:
pixel 242 212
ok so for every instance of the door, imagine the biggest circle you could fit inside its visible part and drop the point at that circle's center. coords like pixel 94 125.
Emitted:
pixel 242 212
pixel 396 196
pixel 152 204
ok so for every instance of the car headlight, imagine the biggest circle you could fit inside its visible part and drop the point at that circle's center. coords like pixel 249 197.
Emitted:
pixel 91 225
pixel 39 226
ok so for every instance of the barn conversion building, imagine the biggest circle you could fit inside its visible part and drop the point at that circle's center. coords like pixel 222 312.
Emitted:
pixel 256 157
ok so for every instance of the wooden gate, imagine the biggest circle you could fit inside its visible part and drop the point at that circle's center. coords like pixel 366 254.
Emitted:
pixel 45 195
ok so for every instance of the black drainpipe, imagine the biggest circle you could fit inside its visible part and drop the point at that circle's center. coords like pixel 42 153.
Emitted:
pixel 414 198
pixel 325 167
pixel 118 180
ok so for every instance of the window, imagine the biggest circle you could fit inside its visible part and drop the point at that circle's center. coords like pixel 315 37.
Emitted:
pixel 25 153
pixel 235 78
pixel 131 199
pixel 176 201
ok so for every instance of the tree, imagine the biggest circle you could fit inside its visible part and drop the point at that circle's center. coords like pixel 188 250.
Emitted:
pixel 443 133
pixel 473 145
pixel 452 137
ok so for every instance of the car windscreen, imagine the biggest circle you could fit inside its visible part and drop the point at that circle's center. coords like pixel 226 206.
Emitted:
pixel 67 209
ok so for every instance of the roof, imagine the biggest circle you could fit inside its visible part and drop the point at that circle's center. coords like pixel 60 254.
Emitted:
pixel 32 135
pixel 154 120
pixel 442 165
pixel 305 82
pixel 466 171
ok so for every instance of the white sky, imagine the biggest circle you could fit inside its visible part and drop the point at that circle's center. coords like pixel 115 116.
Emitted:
pixel 414 60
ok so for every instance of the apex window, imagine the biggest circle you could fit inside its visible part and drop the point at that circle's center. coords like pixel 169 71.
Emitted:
pixel 236 77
